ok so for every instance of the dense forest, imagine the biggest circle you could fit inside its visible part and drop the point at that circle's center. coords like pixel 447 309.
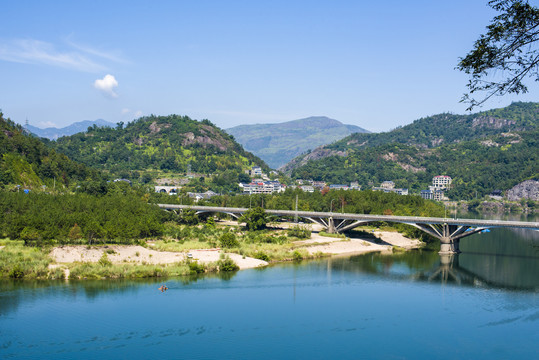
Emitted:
pixel 358 202
pixel 121 215
pixel 498 152
pixel 155 145
pixel 25 161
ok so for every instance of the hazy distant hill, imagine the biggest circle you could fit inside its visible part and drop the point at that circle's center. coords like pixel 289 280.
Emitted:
pixel 53 133
pixel 279 143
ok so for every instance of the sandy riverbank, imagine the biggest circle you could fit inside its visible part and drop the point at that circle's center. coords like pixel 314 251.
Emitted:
pixel 138 255
pixel 341 246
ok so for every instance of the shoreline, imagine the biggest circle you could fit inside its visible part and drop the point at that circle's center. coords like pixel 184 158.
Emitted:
pixel 316 246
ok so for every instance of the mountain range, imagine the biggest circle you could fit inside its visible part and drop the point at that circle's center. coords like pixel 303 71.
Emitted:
pixel 53 133
pixel 279 143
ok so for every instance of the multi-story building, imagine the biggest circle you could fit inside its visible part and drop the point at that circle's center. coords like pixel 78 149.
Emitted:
pixel 433 194
pixel 266 187
pixel 355 186
pixel 387 185
pixel 338 187
pixel 256 171
pixel 441 182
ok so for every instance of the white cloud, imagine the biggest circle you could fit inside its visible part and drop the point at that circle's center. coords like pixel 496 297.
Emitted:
pixel 107 85
pixel 125 111
pixel 138 114
pixel 40 52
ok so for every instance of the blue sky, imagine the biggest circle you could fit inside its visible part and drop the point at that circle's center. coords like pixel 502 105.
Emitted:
pixel 375 64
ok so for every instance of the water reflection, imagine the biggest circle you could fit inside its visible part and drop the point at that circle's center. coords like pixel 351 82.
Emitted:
pixel 512 272
pixel 15 292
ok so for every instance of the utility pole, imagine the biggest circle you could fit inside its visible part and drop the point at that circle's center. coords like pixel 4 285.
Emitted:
pixel 296 216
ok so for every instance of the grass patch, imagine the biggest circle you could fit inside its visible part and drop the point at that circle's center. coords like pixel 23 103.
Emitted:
pixel 20 262
pixel 177 246
pixel 126 271
pixel 323 233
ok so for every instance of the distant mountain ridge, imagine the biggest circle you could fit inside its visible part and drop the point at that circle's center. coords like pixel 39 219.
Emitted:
pixel 279 143
pixel 53 133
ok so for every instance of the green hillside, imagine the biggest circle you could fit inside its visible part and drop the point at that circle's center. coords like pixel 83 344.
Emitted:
pixel 482 152
pixel 27 162
pixel 159 145
pixel 279 143
pixel 448 128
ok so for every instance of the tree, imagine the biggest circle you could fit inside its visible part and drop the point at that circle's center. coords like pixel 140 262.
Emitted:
pixel 507 54
pixel 255 218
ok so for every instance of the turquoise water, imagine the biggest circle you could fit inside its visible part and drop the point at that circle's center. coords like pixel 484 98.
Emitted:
pixel 483 304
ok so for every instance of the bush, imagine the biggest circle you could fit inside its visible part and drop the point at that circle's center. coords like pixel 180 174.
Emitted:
pixel 227 264
pixel 16 273
pixel 261 256
pixel 75 233
pixel 196 268
pixel 104 260
pixel 300 232
pixel 297 256
pixel 228 240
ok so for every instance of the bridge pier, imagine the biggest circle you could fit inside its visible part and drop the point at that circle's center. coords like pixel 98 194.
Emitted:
pixel 331 226
pixel 449 245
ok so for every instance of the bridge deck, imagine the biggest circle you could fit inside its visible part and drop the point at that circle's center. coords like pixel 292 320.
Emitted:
pixel 368 218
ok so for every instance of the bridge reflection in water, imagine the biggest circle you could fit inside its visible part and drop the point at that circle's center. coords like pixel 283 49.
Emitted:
pixel 512 265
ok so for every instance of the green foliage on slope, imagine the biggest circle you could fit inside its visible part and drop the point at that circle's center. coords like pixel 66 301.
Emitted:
pixel 475 166
pixel 165 144
pixel 448 128
pixel 483 152
pixel 26 161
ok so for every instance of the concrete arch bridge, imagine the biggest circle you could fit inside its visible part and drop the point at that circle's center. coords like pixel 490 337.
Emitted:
pixel 448 231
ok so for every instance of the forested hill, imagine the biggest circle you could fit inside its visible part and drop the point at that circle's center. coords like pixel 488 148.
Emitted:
pixel 27 162
pixel 483 152
pixel 279 143
pixel 158 144
pixel 448 128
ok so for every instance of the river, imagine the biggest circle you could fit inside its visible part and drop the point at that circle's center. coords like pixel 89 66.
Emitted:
pixel 481 304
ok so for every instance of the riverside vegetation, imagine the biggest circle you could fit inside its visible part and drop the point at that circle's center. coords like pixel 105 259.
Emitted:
pixel 126 215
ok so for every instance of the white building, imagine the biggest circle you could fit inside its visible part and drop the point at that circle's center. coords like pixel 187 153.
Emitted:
pixel 441 182
pixel 387 185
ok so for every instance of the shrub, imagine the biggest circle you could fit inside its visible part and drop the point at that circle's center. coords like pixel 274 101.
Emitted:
pixel 228 240
pixel 261 256
pixel 300 232
pixel 227 264
pixel 16 273
pixel 196 268
pixel 75 233
pixel 297 256
pixel 104 260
